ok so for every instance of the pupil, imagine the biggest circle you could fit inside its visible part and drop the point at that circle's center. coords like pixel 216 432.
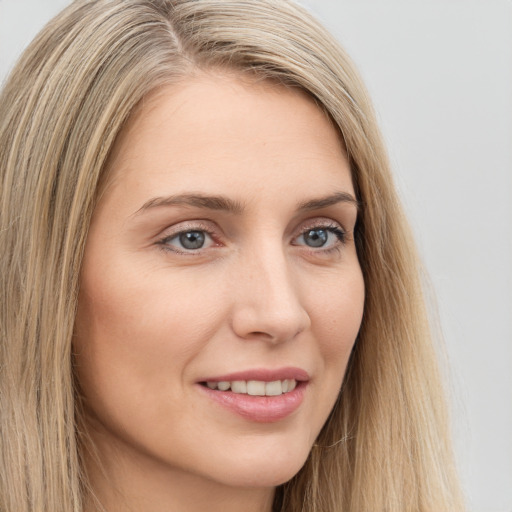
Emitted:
pixel 192 239
pixel 316 237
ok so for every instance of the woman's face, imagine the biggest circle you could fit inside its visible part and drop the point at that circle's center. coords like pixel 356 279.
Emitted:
pixel 221 292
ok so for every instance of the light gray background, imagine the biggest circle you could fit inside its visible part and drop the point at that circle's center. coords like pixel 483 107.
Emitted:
pixel 440 74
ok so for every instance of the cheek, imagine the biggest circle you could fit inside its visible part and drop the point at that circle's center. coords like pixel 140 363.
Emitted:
pixel 137 333
pixel 126 304
pixel 338 313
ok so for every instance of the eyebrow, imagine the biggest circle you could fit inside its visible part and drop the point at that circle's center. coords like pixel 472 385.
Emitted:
pixel 226 204
pixel 331 200
pixel 198 200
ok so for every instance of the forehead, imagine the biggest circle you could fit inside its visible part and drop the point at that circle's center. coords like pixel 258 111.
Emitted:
pixel 223 130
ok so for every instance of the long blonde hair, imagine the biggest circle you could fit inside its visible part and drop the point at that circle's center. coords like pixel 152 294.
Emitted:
pixel 386 445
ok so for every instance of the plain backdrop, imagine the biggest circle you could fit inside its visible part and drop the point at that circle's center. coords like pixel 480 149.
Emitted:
pixel 440 74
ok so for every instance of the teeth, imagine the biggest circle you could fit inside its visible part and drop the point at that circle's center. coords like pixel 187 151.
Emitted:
pixel 239 386
pixel 224 386
pixel 255 387
pixel 273 388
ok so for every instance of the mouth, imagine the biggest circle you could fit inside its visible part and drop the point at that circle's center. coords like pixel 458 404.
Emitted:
pixel 262 396
pixel 253 387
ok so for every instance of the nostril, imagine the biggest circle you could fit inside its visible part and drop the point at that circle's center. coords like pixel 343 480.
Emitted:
pixel 259 334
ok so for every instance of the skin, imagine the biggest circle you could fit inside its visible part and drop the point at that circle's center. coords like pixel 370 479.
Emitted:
pixel 155 318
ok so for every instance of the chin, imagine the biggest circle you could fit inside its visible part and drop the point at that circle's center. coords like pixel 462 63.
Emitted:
pixel 263 478
pixel 267 468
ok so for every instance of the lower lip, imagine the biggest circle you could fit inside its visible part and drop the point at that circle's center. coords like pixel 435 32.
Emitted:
pixel 260 409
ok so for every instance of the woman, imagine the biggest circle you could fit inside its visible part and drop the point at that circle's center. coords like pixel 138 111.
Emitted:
pixel 211 299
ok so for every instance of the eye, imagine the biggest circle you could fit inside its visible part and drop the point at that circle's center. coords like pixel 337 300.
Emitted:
pixel 188 241
pixel 321 237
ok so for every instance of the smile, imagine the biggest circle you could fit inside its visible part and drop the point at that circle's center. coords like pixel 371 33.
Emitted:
pixel 255 387
pixel 258 395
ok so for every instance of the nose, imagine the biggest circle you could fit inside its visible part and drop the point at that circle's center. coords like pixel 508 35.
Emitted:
pixel 267 304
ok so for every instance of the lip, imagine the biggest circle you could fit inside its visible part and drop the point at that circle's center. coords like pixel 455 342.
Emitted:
pixel 259 409
pixel 263 374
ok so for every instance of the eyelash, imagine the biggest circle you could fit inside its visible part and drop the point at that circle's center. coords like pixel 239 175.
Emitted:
pixel 335 229
pixel 198 227
pixel 332 228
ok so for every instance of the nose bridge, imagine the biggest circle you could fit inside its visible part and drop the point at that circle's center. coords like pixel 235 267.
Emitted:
pixel 268 302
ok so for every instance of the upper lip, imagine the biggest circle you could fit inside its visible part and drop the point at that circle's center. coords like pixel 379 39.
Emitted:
pixel 262 374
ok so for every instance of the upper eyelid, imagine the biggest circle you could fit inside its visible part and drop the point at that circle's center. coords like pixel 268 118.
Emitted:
pixel 319 223
pixel 188 225
pixel 213 229
pixel 172 232
pixel 332 228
